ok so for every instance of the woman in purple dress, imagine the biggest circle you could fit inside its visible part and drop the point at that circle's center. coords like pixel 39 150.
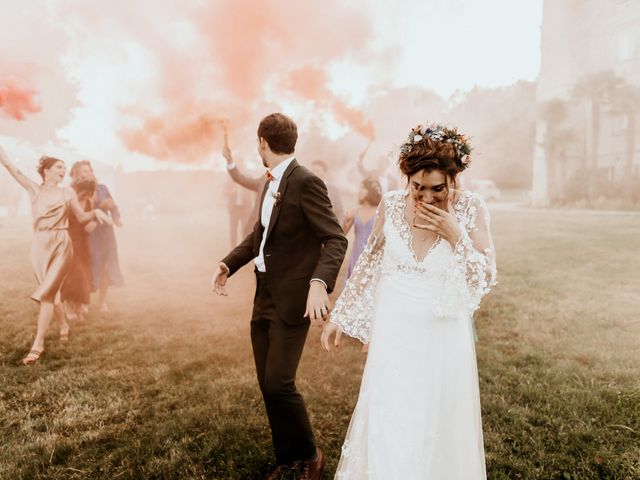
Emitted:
pixel 361 218
pixel 105 267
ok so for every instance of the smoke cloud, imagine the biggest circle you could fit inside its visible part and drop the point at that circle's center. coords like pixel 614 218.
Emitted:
pixel 17 101
pixel 186 136
pixel 311 83
pixel 240 61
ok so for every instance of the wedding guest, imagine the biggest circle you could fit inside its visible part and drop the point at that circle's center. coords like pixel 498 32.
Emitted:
pixel 105 266
pixel 255 184
pixel 361 218
pixel 382 172
pixel 76 288
pixel 239 207
pixel 51 249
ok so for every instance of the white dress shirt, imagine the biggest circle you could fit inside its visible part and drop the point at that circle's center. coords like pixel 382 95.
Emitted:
pixel 267 208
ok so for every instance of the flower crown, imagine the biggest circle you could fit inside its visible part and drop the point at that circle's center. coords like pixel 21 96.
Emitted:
pixel 440 133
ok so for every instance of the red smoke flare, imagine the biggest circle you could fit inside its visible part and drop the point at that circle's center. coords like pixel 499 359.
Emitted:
pixel 183 137
pixel 16 101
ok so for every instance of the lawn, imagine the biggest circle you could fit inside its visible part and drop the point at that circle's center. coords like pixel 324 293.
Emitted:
pixel 163 387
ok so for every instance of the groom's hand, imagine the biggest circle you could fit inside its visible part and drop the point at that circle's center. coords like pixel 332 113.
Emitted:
pixel 219 279
pixel 317 303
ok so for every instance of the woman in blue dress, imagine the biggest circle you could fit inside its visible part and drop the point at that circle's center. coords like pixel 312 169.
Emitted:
pixel 361 218
pixel 105 267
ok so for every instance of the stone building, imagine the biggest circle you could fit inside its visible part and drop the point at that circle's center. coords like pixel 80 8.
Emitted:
pixel 588 98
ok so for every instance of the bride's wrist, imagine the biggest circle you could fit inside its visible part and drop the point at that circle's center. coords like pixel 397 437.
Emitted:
pixel 454 239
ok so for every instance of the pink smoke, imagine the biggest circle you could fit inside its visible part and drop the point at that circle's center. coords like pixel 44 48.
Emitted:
pixel 236 68
pixel 186 135
pixel 17 101
pixel 311 83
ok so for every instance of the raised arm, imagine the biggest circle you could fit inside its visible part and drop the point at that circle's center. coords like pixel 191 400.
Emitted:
pixel 26 183
pixel 361 168
pixel 254 184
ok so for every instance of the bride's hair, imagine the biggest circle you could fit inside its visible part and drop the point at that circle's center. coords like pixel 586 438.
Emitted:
pixel 434 147
pixel 46 163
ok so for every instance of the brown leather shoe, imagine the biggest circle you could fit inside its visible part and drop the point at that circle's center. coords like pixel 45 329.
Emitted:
pixel 280 472
pixel 313 469
pixel 276 473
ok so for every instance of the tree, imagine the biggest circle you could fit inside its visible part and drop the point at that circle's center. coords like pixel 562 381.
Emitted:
pixel 625 101
pixel 501 122
pixel 558 140
pixel 597 89
pixel 607 92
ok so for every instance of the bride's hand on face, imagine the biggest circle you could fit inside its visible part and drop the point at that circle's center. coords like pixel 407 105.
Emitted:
pixel 434 219
pixel 327 331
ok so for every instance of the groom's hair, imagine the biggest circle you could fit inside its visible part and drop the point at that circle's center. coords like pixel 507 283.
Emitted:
pixel 280 132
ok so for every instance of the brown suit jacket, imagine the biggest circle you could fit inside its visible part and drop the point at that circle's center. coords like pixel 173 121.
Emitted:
pixel 304 241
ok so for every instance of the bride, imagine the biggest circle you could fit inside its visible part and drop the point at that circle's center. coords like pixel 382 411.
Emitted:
pixel 428 263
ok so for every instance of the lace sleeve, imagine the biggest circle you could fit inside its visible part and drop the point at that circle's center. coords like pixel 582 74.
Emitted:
pixel 474 251
pixel 353 311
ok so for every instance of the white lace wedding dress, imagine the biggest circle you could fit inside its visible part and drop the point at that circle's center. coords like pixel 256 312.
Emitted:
pixel 418 412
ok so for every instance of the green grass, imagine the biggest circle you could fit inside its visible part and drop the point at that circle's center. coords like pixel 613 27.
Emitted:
pixel 164 386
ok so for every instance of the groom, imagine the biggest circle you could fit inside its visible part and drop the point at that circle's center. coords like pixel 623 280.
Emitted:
pixel 297 247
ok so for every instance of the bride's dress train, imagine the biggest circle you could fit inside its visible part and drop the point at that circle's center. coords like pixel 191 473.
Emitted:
pixel 418 412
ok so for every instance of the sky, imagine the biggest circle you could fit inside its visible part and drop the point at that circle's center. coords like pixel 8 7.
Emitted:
pixel 146 84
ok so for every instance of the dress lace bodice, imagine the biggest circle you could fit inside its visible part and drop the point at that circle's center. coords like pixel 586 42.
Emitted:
pixel 455 278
